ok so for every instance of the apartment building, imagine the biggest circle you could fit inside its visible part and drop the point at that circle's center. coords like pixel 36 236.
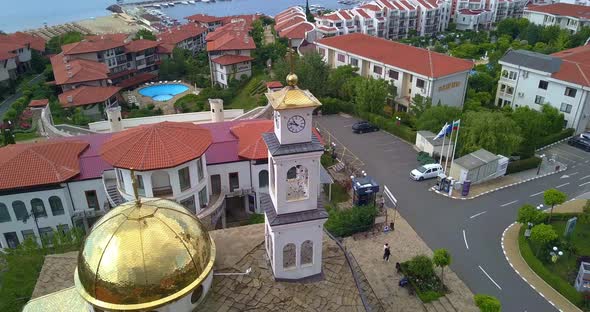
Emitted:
pixel 229 49
pixel 190 37
pixel 433 16
pixel 504 9
pixel 401 17
pixel 15 54
pixel 292 24
pixel 411 70
pixel 571 17
pixel 560 80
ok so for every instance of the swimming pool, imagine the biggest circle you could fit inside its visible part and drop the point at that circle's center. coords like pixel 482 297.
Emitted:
pixel 163 92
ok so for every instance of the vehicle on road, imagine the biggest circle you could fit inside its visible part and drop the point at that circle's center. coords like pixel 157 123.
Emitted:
pixel 580 142
pixel 428 171
pixel 364 126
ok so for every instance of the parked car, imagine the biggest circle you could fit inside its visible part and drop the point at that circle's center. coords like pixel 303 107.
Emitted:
pixel 428 171
pixel 364 126
pixel 580 142
pixel 585 135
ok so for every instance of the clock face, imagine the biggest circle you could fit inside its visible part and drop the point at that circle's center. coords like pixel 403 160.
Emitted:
pixel 296 124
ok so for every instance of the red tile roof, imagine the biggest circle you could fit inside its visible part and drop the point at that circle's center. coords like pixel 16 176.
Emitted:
pixel 274 84
pixel 4 55
pixel 156 146
pixel 204 18
pixel 328 29
pixel 362 13
pixel 289 22
pixel 563 9
pixel 25 165
pixel 297 32
pixel 417 60
pixel 251 145
pixel 39 103
pixel 79 70
pixel 140 45
pixel 287 12
pixel 177 34
pixel 575 66
pixel 21 38
pixel 471 12
pixel 231 41
pixel 94 44
pixel 8 47
pixel 230 59
pixel 332 16
pixel 372 7
pixel 345 14
pixel 136 80
pixel 387 4
pixel 87 95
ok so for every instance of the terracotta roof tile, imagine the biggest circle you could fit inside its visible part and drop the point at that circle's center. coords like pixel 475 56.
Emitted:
pixel 417 60
pixel 251 145
pixel 295 20
pixel 372 7
pixel 274 84
pixel 77 70
pixel 140 45
pixel 93 44
pixel 232 41
pixel 87 95
pixel 230 59
pixel 575 67
pixel 25 165
pixel 136 80
pixel 177 34
pixel 362 13
pixel 563 9
pixel 156 146
pixel 345 14
pixel 21 38
pixel 4 55
pixel 39 103
pixel 204 18
pixel 298 31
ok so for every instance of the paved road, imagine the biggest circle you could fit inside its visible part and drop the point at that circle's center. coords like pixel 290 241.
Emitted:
pixel 5 105
pixel 477 255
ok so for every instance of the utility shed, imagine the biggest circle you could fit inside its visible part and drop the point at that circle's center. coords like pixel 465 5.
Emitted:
pixel 477 167
pixel 425 142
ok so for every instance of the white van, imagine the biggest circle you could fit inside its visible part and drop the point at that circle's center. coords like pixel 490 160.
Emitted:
pixel 426 172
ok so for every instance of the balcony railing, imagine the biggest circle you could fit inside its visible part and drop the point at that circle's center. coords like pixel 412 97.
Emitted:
pixel 163 191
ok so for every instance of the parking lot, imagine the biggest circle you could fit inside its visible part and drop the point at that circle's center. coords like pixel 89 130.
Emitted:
pixel 573 157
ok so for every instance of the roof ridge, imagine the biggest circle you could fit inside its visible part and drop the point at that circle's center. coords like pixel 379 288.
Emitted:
pixel 582 73
pixel 430 62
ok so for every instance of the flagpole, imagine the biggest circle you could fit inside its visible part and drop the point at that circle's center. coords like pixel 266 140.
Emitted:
pixel 442 148
pixel 448 149
pixel 455 147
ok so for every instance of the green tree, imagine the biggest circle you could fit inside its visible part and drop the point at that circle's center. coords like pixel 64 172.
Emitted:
pixel 467 51
pixel 552 197
pixel 370 95
pixel 257 33
pixel 312 71
pixel 532 126
pixel 541 235
pixel 482 82
pixel 420 267
pixel 144 34
pixel 54 44
pixel 441 259
pixel 420 104
pixel 492 131
pixel 529 214
pixel 434 118
pixel 337 81
pixel 554 119
pixel 487 303
pixel 308 14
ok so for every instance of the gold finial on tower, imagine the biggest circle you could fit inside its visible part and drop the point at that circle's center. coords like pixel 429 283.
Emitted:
pixel 135 188
pixel 292 79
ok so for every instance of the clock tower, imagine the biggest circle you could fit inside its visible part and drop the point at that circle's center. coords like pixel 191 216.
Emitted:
pixel 294 216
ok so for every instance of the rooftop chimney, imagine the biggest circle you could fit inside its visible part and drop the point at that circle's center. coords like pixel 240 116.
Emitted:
pixel 216 106
pixel 70 99
pixel 70 74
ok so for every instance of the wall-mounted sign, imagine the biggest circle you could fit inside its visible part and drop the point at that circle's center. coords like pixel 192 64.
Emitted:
pixel 449 85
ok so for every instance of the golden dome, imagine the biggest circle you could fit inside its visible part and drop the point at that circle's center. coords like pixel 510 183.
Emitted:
pixel 140 258
pixel 292 80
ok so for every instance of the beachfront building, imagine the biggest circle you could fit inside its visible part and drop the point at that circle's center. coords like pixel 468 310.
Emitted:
pixel 15 54
pixel 229 49
pixel 93 100
pixel 504 9
pixel 482 14
pixel 190 37
pixel 560 80
pixel 208 21
pixel 292 24
pixel 411 70
pixel 474 19
pixel 570 17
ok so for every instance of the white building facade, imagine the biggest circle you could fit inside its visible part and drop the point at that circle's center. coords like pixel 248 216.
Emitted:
pixel 533 79
pixel 571 17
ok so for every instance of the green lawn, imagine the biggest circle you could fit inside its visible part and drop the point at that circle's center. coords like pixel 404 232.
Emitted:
pixel 246 99
pixel 25 136
pixel 339 193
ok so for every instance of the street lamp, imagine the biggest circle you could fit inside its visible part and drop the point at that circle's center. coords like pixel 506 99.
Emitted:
pixel 555 254
pixel 540 163
pixel 540 207
pixel 397 120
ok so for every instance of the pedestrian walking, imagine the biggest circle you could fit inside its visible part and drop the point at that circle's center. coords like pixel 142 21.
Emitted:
pixel 386 252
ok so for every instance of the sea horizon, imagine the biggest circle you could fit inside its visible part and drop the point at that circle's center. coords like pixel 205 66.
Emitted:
pixel 29 14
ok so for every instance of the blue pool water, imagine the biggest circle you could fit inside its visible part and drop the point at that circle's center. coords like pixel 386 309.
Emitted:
pixel 163 92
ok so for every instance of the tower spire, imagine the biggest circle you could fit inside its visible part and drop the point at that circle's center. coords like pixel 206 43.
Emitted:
pixel 291 78
pixel 135 188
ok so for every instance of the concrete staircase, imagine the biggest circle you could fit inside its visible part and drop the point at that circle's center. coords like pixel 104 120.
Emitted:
pixel 115 195
pixel 443 304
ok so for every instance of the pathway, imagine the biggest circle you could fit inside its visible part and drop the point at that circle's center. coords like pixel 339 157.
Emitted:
pixel 5 105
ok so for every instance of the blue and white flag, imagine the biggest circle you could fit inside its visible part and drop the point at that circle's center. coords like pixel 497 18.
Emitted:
pixel 444 131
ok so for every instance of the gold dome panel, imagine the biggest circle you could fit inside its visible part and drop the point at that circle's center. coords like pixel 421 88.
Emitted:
pixel 292 97
pixel 138 258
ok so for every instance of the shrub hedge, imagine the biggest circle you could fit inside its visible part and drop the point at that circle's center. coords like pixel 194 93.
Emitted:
pixel 523 164
pixel 565 133
pixel 559 284
pixel 389 125
pixel 342 223
pixel 335 106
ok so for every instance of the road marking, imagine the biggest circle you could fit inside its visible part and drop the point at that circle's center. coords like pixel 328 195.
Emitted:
pixel 541 192
pixel 486 273
pixel 570 153
pixel 562 185
pixel 346 126
pixel 584 184
pixel 477 215
pixel 573 173
pixel 465 240
pixel 510 203
pixel 385 144
pixel 586 177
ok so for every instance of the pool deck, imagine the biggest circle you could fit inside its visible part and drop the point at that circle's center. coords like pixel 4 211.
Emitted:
pixel 166 106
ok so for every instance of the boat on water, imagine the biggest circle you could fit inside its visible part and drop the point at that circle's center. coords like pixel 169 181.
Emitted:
pixel 205 1
pixel 171 4
pixel 191 2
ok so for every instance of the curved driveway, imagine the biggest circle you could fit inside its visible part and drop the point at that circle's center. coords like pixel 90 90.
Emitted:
pixel 470 229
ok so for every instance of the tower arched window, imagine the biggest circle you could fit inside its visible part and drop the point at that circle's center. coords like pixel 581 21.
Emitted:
pixel 38 207
pixel 289 256
pixel 20 210
pixel 56 205
pixel 307 252
pixel 4 214
pixel 297 183
pixel 263 179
